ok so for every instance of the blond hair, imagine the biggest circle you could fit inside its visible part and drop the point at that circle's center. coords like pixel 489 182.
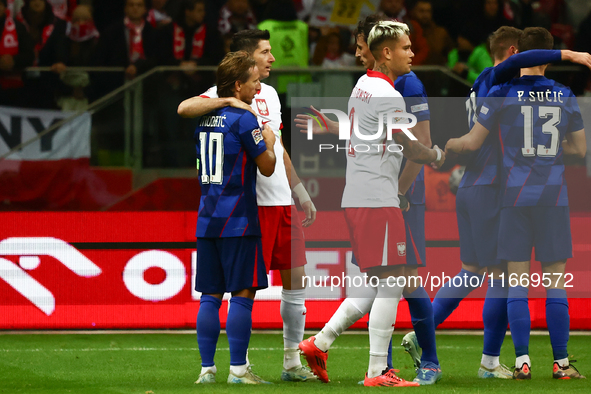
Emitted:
pixel 384 31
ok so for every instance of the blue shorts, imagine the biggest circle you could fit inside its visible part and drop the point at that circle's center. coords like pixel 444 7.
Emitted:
pixel 478 211
pixel 414 223
pixel 545 228
pixel 230 264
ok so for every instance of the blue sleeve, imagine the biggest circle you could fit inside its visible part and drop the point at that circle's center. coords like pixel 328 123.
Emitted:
pixel 508 69
pixel 415 98
pixel 488 111
pixel 250 135
pixel 575 122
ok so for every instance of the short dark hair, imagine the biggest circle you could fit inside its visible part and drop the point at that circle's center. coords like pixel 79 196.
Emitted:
pixel 248 40
pixel 365 26
pixel 535 38
pixel 502 39
pixel 234 67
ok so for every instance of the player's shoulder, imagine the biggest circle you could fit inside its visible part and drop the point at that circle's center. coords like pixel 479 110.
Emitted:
pixel 234 115
pixel 379 83
pixel 500 90
pixel 268 92
pixel 212 92
pixel 410 85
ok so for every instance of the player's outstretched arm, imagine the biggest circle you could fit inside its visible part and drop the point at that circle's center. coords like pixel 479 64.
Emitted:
pixel 575 144
pixel 322 126
pixel 266 160
pixel 412 169
pixel 468 142
pixel 419 153
pixel 199 106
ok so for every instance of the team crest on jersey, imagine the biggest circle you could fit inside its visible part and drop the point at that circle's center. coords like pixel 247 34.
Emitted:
pixel 257 135
pixel 262 107
pixel 401 246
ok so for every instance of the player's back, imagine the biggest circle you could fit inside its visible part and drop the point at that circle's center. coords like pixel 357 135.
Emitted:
pixel 227 141
pixel 482 165
pixel 532 115
pixel 373 163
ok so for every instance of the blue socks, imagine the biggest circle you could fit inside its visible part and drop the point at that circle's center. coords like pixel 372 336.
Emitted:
pixel 421 314
pixel 494 317
pixel 449 296
pixel 519 319
pixel 208 328
pixel 558 321
pixel 238 328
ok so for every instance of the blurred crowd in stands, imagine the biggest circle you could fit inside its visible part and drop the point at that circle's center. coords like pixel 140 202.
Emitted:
pixel 137 35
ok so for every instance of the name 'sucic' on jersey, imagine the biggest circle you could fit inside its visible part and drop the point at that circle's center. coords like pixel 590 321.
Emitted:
pixel 542 97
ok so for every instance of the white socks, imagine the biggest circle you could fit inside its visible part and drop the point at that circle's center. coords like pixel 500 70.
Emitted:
pixel 351 310
pixel 238 370
pixel 205 370
pixel 522 359
pixel 293 313
pixel 563 362
pixel 381 325
pixel 490 362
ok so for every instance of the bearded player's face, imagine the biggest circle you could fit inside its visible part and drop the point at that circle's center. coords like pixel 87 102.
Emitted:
pixel 400 56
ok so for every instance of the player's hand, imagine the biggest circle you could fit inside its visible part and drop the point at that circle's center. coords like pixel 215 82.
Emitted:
pixel 310 211
pixel 404 203
pixel 234 102
pixel 301 122
pixel 268 136
pixel 579 57
pixel 450 154
pixel 438 163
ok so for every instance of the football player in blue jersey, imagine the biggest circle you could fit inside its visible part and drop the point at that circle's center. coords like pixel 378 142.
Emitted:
pixel 412 200
pixel 535 121
pixel 230 147
pixel 478 206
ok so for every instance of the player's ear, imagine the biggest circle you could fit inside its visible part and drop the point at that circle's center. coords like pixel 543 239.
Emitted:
pixel 237 86
pixel 513 50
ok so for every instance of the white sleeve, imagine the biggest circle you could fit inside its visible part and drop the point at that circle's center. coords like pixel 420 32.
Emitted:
pixel 212 92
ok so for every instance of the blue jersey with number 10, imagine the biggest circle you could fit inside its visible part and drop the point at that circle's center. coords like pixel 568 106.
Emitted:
pixel 227 141
pixel 531 115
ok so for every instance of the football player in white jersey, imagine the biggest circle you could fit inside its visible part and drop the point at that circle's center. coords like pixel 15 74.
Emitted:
pixel 371 205
pixel 283 241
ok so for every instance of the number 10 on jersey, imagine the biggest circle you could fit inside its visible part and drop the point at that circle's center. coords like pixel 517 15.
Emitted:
pixel 211 162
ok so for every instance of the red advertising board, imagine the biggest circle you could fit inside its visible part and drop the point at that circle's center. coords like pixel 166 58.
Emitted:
pixel 135 270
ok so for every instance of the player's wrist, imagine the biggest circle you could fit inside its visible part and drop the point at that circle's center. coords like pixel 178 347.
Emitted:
pixel 301 193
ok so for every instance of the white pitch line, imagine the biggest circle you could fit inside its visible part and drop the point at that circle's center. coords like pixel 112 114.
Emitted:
pixel 183 349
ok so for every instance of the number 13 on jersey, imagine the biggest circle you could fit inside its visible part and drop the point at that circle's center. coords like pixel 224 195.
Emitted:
pixel 549 127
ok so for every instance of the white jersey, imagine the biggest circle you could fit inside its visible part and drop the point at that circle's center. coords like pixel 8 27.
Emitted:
pixel 273 190
pixel 373 165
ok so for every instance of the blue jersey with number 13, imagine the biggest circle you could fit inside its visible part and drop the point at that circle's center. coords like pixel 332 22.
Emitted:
pixel 532 115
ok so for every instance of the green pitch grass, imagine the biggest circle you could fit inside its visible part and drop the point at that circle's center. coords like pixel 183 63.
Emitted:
pixel 169 363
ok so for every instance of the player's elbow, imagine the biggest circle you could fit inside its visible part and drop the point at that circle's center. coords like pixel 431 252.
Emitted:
pixel 581 153
pixel 266 164
pixel 182 110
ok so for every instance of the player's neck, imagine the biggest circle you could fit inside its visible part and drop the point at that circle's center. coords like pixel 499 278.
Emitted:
pixel 381 67
pixel 533 71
